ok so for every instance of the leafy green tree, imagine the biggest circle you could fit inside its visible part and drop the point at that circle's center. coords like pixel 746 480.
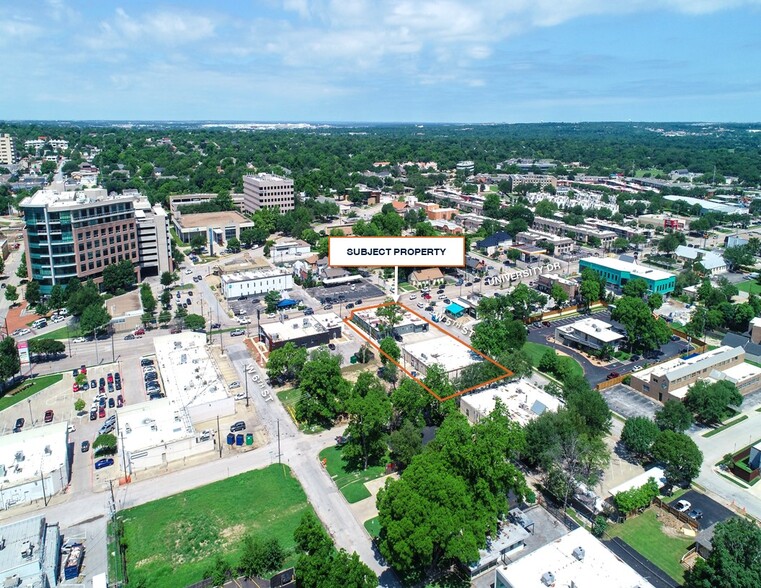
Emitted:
pixel 323 389
pixel 32 293
pixel 524 301
pixel 233 244
pixel 286 362
pixel 147 298
pixel 390 348
pixel 84 297
pixel 198 242
pixel 733 562
pixel 369 410
pixel 643 329
pixel 494 337
pixel 79 405
pixel 181 313
pixel 655 301
pixel 261 557
pixel 518 362
pixel 10 364
pixel 57 298
pixel 118 276
pixel 670 242
pixel 545 208
pixel 738 256
pixel 710 402
pixel 166 298
pixel 680 456
pixel 593 410
pixel 164 317
pixel 219 570
pixel 11 294
pixel 195 322
pixel 620 244
pixel 271 299
pixel 411 402
pixel 405 444
pixel 638 435
pixel 93 319
pixel 166 279
pixel 21 271
pixel 636 499
pixel 104 444
pixel 558 295
pixel 673 416
pixel 590 292
pixel 548 363
pixel 635 288
pixel 46 347
pixel 253 236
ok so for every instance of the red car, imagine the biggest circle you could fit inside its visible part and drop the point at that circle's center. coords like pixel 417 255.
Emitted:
pixel 110 378
pixel 48 416
pixel 83 369
pixel 75 387
pixel 139 332
pixel 102 412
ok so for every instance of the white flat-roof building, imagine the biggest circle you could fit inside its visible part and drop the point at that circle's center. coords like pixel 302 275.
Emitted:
pixel 158 432
pixel 524 401
pixel 589 333
pixel 305 331
pixel 640 480
pixel 375 326
pixel 31 554
pixel 451 355
pixel 285 250
pixel 256 282
pixel 192 379
pixel 576 559
pixel 34 464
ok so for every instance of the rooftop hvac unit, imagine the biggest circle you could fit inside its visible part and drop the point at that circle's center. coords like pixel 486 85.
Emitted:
pixel 48 451
pixel 548 578
pixel 19 456
pixel 578 553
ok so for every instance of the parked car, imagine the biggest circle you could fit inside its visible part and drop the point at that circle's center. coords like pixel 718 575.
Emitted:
pixel 48 416
pixel 129 337
pixel 111 403
pixel 93 414
pixel 635 358
pixel 239 426
pixel 636 368
pixel 85 446
pixel 93 384
pixel 413 296
pixel 104 463
pixel 695 514
pixel 240 396
pixel 612 375
pixel 215 325
pixel 237 333
pixel 332 346
pixel 102 412
pixel 145 362
pixel 19 424
pixel 234 385
pixel 674 338
pixel 75 387
pixel 119 401
pixel 308 311
pixel 682 506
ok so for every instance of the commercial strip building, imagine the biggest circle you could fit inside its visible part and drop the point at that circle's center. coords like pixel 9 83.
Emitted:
pixel 589 334
pixel 579 232
pixel 242 284
pixel 30 556
pixel 158 432
pixel 76 234
pixel 575 559
pixel 306 331
pixel 192 380
pixel 671 379
pixel 617 272
pixel 34 464
pixel 446 352
pixel 289 250
pixel 375 326
pixel 523 399
pixel 267 191
pixel 217 227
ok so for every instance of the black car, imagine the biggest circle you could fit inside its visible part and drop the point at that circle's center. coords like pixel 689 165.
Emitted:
pixel 358 301
pixel 349 306
pixel 118 385
pixel 19 424
pixel 93 414
pixel 635 358
pixel 117 376
pixel 151 377
pixel 85 446
pixel 239 426
pixel 332 346
pixel 111 403
pixel 188 301
pixel 308 311
pixel 146 362
pixel 215 325
pixel 93 384
pixel 155 395
pixel 102 382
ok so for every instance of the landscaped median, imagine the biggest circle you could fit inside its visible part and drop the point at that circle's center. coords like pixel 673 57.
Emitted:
pixel 725 426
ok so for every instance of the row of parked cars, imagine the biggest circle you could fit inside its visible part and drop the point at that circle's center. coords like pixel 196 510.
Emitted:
pixel 151 379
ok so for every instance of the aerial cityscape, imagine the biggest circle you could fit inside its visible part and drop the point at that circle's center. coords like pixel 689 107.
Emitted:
pixel 435 294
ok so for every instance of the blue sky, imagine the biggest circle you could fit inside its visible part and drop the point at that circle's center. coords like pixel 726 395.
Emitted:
pixel 385 60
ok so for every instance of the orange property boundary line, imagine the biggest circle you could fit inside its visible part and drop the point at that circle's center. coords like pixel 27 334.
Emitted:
pixel 369 339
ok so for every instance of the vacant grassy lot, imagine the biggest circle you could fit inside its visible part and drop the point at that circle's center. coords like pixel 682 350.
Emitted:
pixel 536 350
pixel 351 483
pixel 644 533
pixel 60 334
pixel 170 542
pixel 13 396
pixel 751 287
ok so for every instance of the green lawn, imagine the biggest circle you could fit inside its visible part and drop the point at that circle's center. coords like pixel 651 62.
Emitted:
pixel 40 383
pixel 170 542
pixel 289 398
pixel 405 287
pixel 536 350
pixel 61 334
pixel 750 286
pixel 373 526
pixel 643 533
pixel 350 483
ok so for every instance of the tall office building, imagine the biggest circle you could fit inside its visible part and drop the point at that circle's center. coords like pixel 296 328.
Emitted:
pixel 267 191
pixel 7 150
pixel 76 234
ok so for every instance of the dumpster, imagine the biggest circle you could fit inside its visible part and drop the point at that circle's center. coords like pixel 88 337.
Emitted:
pixel 239 439
pixel 353 359
pixel 231 438
pixel 249 438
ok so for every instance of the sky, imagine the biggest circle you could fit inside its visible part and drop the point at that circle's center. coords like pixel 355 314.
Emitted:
pixel 471 61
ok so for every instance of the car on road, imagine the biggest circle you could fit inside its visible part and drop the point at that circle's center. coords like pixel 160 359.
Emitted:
pixel 104 463
pixel 19 424
pixel 48 416
pixel 326 307
pixel 612 375
pixel 636 368
pixel 546 323
pixel 237 332
pixel 16 333
pixel 239 426
pixel 233 385
pixel 188 271
pixel 308 311
pixel 468 284
pixel 674 338
pixel 420 305
pixel 85 446
pixel 129 337
pixel 215 325
pixel 413 296
pixel 78 340
pixel 332 346
pixel 682 506
pixel 695 514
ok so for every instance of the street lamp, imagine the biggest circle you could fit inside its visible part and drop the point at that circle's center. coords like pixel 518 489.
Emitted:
pixel 31 416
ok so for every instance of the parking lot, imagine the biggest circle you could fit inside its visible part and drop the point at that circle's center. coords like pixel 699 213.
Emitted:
pixel 358 290
pixel 713 512
pixel 625 401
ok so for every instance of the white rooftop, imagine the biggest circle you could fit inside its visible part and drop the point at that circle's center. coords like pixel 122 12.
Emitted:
pixel 678 367
pixel 33 452
pixel 560 280
pixel 445 351
pixel 253 275
pixel 737 373
pixel 302 326
pixel 371 318
pixel 191 377
pixel 755 322
pixel 524 401
pixel 54 198
pixel 31 549
pixel 594 328
pixel 595 567
pixel 636 270
pixel 155 422
pixel 640 480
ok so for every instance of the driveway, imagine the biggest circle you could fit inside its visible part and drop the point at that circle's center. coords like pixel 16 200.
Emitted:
pixel 629 403
pixel 713 512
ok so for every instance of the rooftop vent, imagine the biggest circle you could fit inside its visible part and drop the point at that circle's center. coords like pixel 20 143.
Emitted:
pixel 548 578
pixel 19 456
pixel 578 553
pixel 48 451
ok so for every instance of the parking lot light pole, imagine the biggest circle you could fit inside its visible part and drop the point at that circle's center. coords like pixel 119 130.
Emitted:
pixel 246 377
pixel 31 416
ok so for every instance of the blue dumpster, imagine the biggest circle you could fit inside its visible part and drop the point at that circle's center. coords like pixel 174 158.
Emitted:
pixel 231 438
pixel 239 439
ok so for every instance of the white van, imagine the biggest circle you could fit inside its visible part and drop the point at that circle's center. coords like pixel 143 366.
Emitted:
pixel 39 324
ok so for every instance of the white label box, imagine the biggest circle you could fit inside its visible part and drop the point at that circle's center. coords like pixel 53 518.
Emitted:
pixel 396 251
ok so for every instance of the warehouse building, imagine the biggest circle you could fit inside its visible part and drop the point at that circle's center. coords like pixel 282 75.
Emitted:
pixel 30 554
pixel 306 331
pixel 34 464
pixel 242 284
pixel 617 272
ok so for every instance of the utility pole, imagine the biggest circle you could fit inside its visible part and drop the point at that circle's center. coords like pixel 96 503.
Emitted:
pixel 246 377
pixel 113 355
pixel 278 441
pixel 124 453
pixel 219 438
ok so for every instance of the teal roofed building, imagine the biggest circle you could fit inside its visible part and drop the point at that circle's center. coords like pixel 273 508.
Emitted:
pixel 617 272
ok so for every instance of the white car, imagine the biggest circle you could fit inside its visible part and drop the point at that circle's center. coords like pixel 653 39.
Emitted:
pixel 188 271
pixel 71 429
pixel 235 384
pixel 78 340
pixel 240 396
pixel 420 305
pixel 636 368
pixel 25 331
pixel 682 506
pixel 413 296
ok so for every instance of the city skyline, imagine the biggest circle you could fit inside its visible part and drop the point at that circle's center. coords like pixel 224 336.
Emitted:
pixel 394 61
